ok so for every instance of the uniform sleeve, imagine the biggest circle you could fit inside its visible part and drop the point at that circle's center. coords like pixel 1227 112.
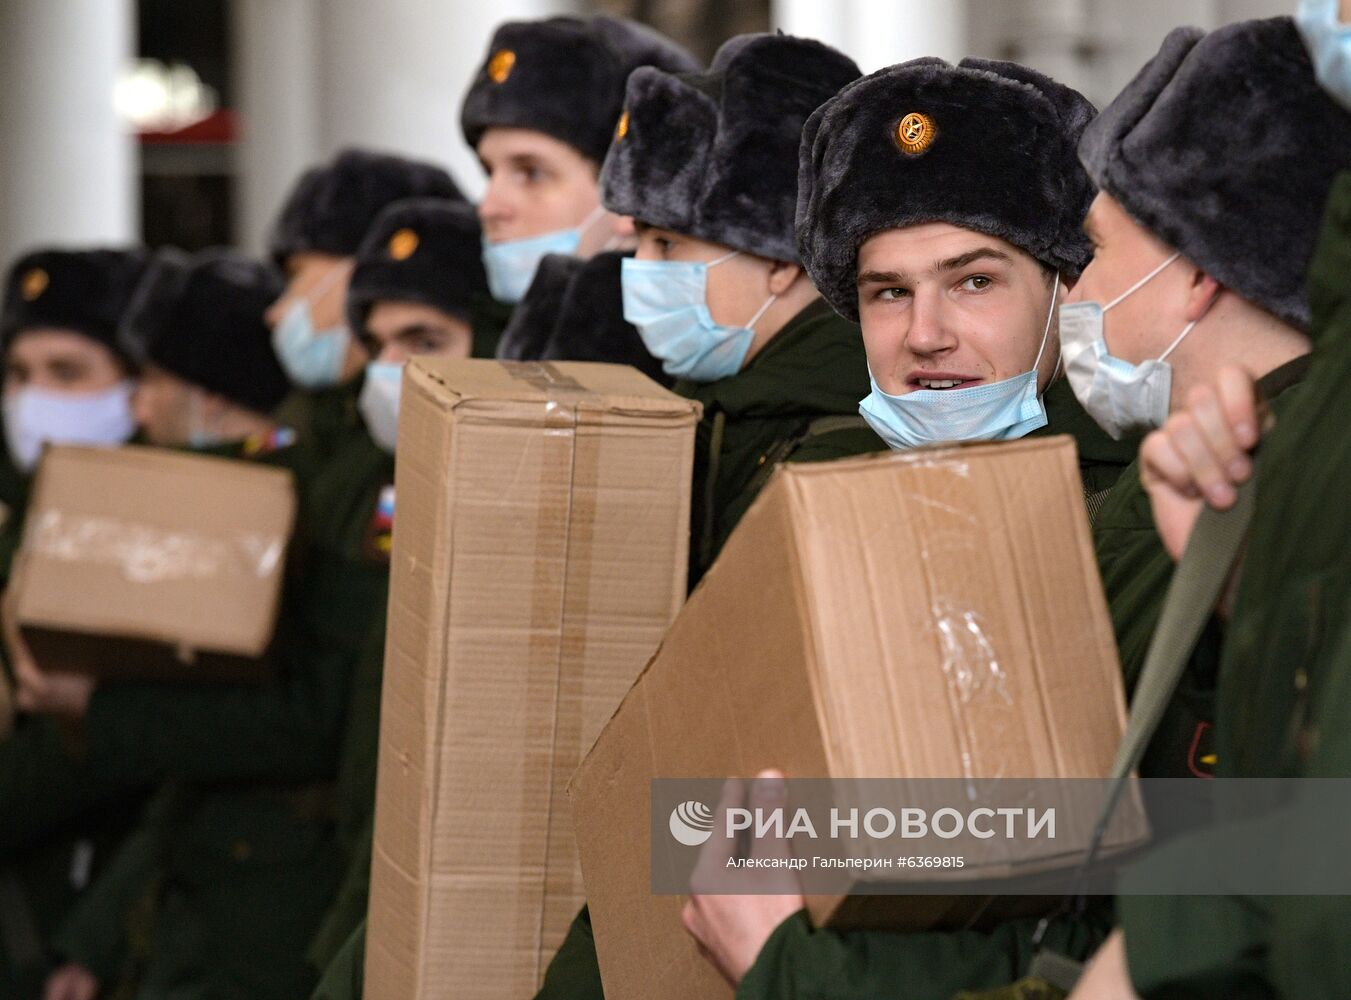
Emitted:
pixel 284 730
pixel 574 971
pixel 344 978
pixel 94 933
pixel 800 963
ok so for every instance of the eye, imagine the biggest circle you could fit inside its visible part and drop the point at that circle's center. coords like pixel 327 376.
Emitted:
pixel 369 342
pixel 67 372
pixel 666 246
pixel 977 283
pixel 893 294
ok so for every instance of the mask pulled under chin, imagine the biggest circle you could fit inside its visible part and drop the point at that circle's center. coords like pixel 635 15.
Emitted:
pixel 37 417
pixel 1001 411
pixel 511 264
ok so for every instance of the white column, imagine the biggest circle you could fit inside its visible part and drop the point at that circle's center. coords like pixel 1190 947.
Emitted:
pixel 276 63
pixel 878 33
pixel 393 74
pixel 67 166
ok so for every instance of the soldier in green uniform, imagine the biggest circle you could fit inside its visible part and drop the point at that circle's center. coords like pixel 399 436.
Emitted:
pixel 539 114
pixel 66 382
pixel 252 827
pixel 927 210
pixel 418 275
pixel 707 166
pixel 1278 692
pixel 313 241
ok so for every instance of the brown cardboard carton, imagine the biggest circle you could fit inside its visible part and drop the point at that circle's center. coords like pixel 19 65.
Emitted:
pixel 936 614
pixel 540 552
pixel 143 562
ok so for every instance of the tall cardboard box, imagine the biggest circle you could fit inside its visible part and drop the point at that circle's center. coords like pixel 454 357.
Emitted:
pixel 936 614
pixel 540 552
pixel 145 562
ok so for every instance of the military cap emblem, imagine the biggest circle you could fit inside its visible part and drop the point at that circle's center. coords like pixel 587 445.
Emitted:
pixel 33 283
pixel 500 65
pixel 402 244
pixel 622 129
pixel 916 133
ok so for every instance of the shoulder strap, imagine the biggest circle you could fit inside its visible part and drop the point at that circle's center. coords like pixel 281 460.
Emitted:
pixel 1197 583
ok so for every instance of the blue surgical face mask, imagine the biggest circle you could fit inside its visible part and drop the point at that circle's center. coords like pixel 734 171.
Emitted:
pixel 1122 397
pixel 312 359
pixel 1329 44
pixel 379 402
pixel 1000 411
pixel 667 300
pixel 36 417
pixel 511 264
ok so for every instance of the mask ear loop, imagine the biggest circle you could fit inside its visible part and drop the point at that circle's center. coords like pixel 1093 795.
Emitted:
pixel 1046 333
pixel 1142 282
pixel 1180 337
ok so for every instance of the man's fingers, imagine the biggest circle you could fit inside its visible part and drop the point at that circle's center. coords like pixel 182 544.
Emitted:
pixel 1160 462
pixel 722 844
pixel 1213 423
pixel 1238 399
pixel 1191 444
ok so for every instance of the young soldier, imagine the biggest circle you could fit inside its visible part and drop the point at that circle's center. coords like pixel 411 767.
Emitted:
pixel 66 382
pixel 540 114
pixel 313 242
pixel 942 206
pixel 1275 694
pixel 707 166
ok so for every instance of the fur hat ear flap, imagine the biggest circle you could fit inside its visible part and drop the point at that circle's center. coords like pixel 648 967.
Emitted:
pixel 591 324
pixel 534 318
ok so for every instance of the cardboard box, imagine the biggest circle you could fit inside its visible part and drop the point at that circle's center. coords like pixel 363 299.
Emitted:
pixel 144 562
pixel 936 614
pixel 540 552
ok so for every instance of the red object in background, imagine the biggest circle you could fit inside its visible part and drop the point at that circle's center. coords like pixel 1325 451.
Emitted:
pixel 220 127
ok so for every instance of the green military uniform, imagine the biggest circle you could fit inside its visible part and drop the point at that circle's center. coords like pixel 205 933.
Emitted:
pixel 245 845
pixel 1283 678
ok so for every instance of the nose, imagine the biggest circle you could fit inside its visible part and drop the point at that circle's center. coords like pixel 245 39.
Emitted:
pixel 928 335
pixel 277 310
pixel 494 209
pixel 140 405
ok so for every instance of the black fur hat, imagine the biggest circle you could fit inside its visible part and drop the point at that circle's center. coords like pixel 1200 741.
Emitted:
pixel 86 291
pixel 200 317
pixel 984 145
pixel 1224 146
pixel 714 155
pixel 564 76
pixel 333 205
pixel 532 321
pixel 427 250
pixel 574 311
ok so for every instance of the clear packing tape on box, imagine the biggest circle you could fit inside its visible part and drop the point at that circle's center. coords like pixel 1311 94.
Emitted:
pixel 145 553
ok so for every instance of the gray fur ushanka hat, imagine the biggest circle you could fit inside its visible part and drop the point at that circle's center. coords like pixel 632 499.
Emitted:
pixel 425 250
pixel 984 145
pixel 332 205
pixel 564 76
pixel 714 155
pixel 1225 146
pixel 200 317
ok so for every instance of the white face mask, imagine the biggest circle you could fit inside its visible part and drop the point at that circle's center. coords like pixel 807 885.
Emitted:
pixel 1122 397
pixel 379 402
pixel 36 417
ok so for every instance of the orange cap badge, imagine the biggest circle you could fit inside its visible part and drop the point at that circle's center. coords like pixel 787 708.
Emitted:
pixel 402 244
pixel 33 284
pixel 916 133
pixel 622 129
pixel 500 65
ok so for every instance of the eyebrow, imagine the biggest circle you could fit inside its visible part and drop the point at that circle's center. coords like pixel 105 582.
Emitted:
pixel 938 267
